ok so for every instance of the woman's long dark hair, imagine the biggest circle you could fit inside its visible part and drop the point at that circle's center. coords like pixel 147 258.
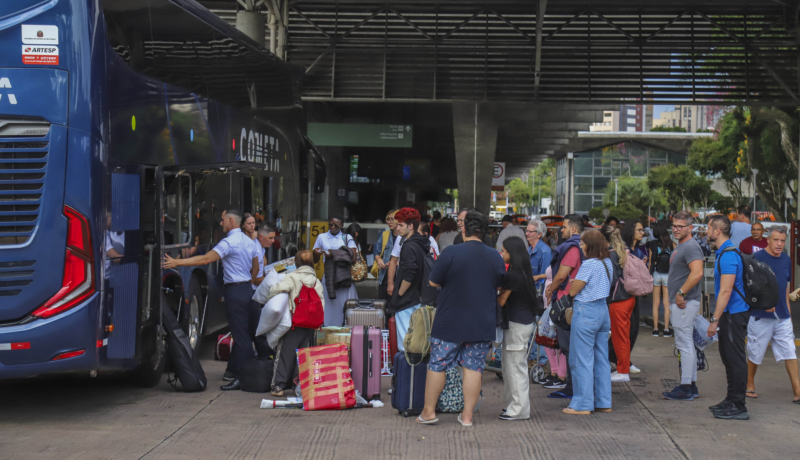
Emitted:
pixel 661 233
pixel 628 231
pixel 520 264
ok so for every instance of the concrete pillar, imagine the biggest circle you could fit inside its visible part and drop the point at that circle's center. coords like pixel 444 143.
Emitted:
pixel 252 25
pixel 475 133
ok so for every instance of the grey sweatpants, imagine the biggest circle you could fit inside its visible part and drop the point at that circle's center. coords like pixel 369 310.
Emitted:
pixel 683 327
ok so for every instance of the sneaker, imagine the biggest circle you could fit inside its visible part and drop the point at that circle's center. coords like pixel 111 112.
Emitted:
pixel 635 370
pixel 677 394
pixel 655 332
pixel 503 416
pixel 667 333
pixel 548 380
pixel 555 384
pixel 617 377
pixel 721 406
pixel 695 391
pixel 560 395
pixel 732 413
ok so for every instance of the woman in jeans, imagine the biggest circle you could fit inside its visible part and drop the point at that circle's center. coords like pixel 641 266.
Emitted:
pixel 588 351
pixel 659 253
pixel 518 298
pixel 620 308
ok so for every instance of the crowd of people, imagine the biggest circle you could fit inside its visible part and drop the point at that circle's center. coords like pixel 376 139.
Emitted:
pixel 594 269
pixel 599 275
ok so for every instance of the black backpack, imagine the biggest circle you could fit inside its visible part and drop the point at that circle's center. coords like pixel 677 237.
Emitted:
pixel 662 260
pixel 427 293
pixel 185 362
pixel 257 375
pixel 760 284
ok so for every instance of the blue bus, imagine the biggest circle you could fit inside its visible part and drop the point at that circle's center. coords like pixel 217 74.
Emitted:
pixel 126 128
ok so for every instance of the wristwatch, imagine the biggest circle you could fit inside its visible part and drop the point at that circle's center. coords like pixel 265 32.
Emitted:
pixel 713 320
pixel 680 291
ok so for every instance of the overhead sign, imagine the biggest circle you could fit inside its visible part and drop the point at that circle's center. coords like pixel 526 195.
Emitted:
pixel 360 135
pixel 499 174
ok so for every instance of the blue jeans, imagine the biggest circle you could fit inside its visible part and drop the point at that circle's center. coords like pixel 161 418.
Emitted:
pixel 588 356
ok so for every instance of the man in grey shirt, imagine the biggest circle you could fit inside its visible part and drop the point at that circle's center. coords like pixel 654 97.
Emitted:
pixel 509 230
pixel 685 273
pixel 741 229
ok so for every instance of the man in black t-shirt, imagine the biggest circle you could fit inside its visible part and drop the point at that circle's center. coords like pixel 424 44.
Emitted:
pixel 464 327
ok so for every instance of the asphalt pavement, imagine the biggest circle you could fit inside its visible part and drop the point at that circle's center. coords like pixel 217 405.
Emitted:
pixel 108 417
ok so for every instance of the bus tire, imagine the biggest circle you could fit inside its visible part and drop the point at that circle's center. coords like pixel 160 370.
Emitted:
pixel 192 313
pixel 148 374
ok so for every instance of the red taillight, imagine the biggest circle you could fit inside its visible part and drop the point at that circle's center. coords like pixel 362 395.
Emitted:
pixel 69 354
pixel 78 282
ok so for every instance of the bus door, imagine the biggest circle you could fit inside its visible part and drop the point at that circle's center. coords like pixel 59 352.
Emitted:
pixel 130 261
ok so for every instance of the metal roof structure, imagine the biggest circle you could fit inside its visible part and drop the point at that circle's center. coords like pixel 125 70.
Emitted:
pixel 557 53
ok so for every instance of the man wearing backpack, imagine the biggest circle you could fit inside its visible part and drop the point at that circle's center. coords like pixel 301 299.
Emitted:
pixel 774 325
pixel 731 316
pixel 683 286
pixel 408 278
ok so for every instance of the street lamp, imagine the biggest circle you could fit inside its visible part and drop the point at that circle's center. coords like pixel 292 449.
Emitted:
pixel 616 184
pixel 755 192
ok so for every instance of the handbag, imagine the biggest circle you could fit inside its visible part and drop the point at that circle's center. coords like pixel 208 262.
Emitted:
pixel 375 271
pixel 559 309
pixel 359 269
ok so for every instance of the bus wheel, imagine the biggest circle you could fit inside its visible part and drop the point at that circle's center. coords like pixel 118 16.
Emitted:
pixel 192 313
pixel 148 374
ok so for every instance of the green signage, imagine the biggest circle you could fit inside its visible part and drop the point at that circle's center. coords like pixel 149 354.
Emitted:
pixel 360 135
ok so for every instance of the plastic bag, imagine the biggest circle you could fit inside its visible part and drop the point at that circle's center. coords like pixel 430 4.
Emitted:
pixel 272 313
pixel 262 292
pixel 700 333
pixel 277 332
pixel 546 327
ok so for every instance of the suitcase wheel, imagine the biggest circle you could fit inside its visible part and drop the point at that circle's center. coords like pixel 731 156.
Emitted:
pixel 405 413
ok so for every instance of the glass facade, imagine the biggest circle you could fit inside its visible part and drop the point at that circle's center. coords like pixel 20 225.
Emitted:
pixel 594 170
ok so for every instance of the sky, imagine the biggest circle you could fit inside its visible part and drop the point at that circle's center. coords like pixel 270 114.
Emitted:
pixel 657 109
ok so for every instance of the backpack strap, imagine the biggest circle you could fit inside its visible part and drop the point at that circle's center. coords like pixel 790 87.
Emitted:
pixel 719 270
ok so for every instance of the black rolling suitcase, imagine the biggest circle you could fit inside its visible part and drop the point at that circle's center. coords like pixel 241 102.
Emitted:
pixel 185 362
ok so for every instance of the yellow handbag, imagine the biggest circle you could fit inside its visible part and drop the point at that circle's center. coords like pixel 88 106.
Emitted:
pixel 375 269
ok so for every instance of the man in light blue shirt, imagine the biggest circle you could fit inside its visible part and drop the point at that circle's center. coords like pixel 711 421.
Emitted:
pixel 240 267
pixel 540 255
pixel 741 229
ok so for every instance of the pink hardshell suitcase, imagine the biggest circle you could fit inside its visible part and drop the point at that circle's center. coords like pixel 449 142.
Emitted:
pixel 365 361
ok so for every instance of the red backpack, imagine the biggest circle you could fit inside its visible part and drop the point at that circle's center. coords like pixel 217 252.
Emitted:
pixel 308 311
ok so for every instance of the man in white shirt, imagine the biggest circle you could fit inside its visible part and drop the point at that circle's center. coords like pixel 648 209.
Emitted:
pixel 509 229
pixel 741 228
pixel 239 266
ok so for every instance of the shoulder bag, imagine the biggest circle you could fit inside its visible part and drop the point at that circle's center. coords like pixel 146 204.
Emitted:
pixel 375 271
pixel 358 271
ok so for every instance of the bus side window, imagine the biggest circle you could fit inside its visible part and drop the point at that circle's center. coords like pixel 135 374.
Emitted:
pixel 177 210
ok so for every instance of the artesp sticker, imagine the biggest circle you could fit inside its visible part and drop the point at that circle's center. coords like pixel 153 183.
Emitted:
pixel 39 55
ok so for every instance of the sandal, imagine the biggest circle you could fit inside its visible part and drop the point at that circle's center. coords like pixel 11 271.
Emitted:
pixel 426 422
pixel 462 422
pixel 796 401
pixel 751 394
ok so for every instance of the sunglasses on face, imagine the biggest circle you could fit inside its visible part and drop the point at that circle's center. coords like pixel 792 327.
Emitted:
pixel 332 225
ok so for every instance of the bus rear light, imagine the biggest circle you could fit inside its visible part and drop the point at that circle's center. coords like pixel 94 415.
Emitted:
pixel 78 282
pixel 69 354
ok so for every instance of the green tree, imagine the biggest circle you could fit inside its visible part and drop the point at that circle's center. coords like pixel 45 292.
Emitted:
pixel 624 211
pixel 636 192
pixel 681 186
pixel 519 192
pixel 665 129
